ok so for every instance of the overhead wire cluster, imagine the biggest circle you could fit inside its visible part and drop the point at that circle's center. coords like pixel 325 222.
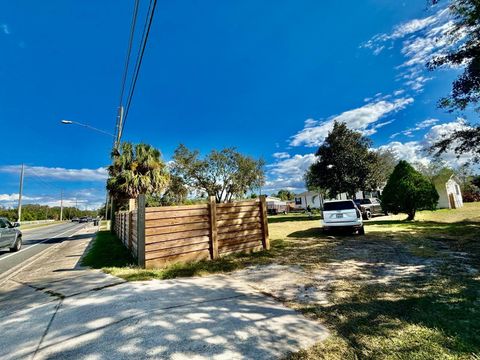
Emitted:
pixel 125 100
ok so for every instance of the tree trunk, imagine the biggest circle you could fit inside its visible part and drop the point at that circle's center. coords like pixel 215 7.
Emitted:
pixel 354 193
pixel 411 215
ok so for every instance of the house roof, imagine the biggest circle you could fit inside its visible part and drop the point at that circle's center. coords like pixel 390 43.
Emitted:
pixel 307 193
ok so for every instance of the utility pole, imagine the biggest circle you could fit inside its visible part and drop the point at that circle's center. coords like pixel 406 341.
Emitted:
pixel 61 205
pixel 19 215
pixel 116 146
pixel 106 207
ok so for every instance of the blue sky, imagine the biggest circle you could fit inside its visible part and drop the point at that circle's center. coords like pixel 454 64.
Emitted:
pixel 267 77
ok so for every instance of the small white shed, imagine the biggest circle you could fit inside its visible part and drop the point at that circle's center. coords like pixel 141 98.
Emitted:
pixel 450 195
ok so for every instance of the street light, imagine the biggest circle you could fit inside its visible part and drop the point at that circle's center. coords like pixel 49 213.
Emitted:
pixel 70 122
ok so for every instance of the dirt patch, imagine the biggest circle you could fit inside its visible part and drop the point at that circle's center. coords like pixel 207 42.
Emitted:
pixel 351 261
pixel 287 282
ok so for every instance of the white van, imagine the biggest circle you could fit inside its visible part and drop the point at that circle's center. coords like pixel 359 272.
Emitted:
pixel 342 214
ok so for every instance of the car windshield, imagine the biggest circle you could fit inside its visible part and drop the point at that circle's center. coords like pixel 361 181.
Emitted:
pixel 338 205
pixel 362 201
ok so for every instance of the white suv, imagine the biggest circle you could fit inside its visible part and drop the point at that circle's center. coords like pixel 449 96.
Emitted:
pixel 342 214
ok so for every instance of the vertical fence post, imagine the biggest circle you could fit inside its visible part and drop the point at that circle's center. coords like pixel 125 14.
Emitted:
pixel 141 230
pixel 263 212
pixel 130 230
pixel 213 228
pixel 113 216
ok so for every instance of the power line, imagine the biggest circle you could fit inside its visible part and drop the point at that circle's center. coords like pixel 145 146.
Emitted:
pixel 138 65
pixel 127 58
pixel 50 185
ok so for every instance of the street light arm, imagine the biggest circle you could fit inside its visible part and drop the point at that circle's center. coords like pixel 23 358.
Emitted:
pixel 87 126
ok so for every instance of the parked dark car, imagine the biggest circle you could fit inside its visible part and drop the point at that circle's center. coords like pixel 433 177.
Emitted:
pixel 75 219
pixel 370 207
pixel 83 219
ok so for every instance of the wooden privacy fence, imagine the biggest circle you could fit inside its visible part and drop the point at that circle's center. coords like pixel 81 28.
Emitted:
pixel 158 236
pixel 125 227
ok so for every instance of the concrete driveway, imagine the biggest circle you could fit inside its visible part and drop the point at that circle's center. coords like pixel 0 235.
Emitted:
pixel 57 309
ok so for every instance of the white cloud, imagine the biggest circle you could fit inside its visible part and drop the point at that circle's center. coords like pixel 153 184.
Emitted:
pixel 412 151
pixel 5 29
pixel 14 197
pixel 362 119
pixel 288 173
pixel 415 151
pixel 418 126
pixel 281 155
pixel 83 198
pixel 58 173
pixel 400 31
pixel 420 41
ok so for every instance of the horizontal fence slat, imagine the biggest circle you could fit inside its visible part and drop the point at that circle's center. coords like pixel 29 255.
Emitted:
pixel 175 208
pixel 175 214
pixel 176 251
pixel 176 228
pixel 240 248
pixel 176 221
pixel 239 239
pixel 235 228
pixel 239 215
pixel 242 245
pixel 239 233
pixel 173 236
pixel 237 209
pixel 161 262
pixel 242 221
pixel 239 203
pixel 178 242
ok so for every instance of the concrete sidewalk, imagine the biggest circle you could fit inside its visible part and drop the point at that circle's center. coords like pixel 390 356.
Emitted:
pixel 57 309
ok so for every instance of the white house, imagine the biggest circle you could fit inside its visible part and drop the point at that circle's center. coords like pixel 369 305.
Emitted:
pixel 450 195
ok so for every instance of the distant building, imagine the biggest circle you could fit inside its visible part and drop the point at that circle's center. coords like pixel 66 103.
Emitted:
pixel 276 205
pixel 448 188
pixel 315 199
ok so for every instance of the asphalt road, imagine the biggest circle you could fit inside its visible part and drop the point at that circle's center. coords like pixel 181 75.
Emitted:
pixel 36 241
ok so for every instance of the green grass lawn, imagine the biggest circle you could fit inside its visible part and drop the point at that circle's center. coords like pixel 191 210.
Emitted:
pixel 431 309
pixel 107 251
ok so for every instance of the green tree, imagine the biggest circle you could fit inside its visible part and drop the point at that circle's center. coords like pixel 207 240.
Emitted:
pixel 285 195
pixel 407 191
pixel 138 169
pixel 176 192
pixel 225 174
pixel 382 167
pixel 476 180
pixel 463 52
pixel 344 164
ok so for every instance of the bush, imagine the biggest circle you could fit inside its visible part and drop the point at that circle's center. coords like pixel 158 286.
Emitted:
pixel 408 191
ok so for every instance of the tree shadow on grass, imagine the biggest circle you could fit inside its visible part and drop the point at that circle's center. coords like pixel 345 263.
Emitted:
pixel 438 315
pixel 287 218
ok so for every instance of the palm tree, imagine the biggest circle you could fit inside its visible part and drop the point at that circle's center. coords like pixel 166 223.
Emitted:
pixel 137 169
